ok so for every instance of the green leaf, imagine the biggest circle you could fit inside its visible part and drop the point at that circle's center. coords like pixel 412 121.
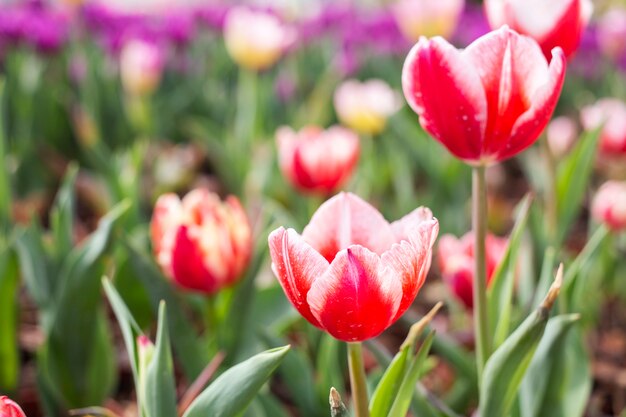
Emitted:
pixel 128 325
pixel 5 181
pixel 329 365
pixel 402 401
pixel 188 346
pixel 37 271
pixel 557 382
pixel 160 390
pixel 231 393
pixel 9 352
pixel 388 386
pixel 62 214
pixel 506 367
pixel 572 180
pixel 500 291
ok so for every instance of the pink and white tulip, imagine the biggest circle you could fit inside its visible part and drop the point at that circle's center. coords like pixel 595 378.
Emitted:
pixel 351 273
pixel 427 17
pixel 609 114
pixel 609 205
pixel 141 67
pixel 611 33
pixel 201 243
pixel 365 106
pixel 561 134
pixel 255 40
pixel 9 408
pixel 316 160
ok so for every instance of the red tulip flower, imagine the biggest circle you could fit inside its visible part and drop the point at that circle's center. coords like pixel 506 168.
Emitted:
pixel 609 205
pixel 551 23
pixel 202 243
pixel 316 160
pixel 351 273
pixel 9 408
pixel 456 263
pixel 488 102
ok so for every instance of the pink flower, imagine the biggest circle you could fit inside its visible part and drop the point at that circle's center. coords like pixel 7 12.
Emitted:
pixel 488 102
pixel 609 205
pixel 610 113
pixel 202 243
pixel 456 263
pixel 317 160
pixel 365 106
pixel 427 17
pixel 553 23
pixel 141 67
pixel 561 134
pixel 351 273
pixel 255 40
pixel 9 408
pixel 611 33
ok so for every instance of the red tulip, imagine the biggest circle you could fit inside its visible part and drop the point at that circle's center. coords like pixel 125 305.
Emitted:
pixel 488 102
pixel 351 273
pixel 456 263
pixel 317 160
pixel 551 23
pixel 202 243
pixel 9 408
pixel 609 205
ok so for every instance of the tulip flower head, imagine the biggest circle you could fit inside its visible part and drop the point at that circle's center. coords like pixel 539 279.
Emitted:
pixel 316 160
pixel 611 33
pixel 561 134
pixel 485 103
pixel 9 408
pixel 141 67
pixel 351 273
pixel 610 114
pixel 427 17
pixel 365 106
pixel 255 40
pixel 609 205
pixel 551 23
pixel 201 242
pixel 456 263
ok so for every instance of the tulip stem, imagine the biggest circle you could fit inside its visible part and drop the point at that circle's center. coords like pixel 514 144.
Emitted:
pixel 550 197
pixel 245 120
pixel 479 225
pixel 357 379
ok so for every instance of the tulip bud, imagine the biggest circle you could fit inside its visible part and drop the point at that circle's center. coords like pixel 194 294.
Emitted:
pixel 352 273
pixel 202 243
pixel 427 17
pixel 316 160
pixel 551 23
pixel 255 40
pixel 611 33
pixel 365 106
pixel 487 102
pixel 609 205
pixel 145 352
pixel 9 408
pixel 456 263
pixel 141 67
pixel 610 115
pixel 561 134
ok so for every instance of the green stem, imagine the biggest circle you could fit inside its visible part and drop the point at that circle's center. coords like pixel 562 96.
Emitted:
pixel 245 121
pixel 5 182
pixel 357 379
pixel 550 197
pixel 479 226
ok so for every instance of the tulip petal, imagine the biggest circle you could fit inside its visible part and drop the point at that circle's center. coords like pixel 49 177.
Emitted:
pixel 167 215
pixel 409 261
pixel 531 123
pixel 511 68
pixel 442 87
pixel 404 227
pixel 353 301
pixel 296 265
pixel 565 30
pixel 188 267
pixel 346 220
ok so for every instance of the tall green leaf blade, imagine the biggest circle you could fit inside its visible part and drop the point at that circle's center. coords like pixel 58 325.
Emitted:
pixel 556 383
pixel 388 386
pixel 37 271
pixel 501 287
pixel 160 389
pixel 9 352
pixel 62 214
pixel 231 392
